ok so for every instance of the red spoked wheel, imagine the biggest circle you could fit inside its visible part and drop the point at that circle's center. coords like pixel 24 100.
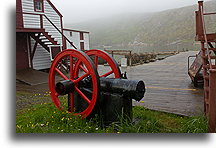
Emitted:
pixel 112 68
pixel 55 74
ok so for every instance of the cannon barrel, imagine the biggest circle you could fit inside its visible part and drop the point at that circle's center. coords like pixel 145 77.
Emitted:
pixel 134 89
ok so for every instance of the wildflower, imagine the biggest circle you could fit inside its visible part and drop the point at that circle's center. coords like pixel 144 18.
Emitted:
pixel 41 124
pixel 118 132
pixel 96 128
pixel 62 130
pixel 63 118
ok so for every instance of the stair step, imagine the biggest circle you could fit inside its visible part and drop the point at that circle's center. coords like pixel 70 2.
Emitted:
pixel 42 37
pixel 45 40
pixel 55 45
pixel 206 77
pixel 206 57
pixel 208 66
pixel 209 48
pixel 48 43
pixel 206 89
pixel 206 101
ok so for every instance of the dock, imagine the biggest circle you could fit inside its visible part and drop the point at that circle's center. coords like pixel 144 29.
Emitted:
pixel 168 86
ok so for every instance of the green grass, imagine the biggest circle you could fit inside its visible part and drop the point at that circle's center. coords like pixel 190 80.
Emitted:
pixel 45 118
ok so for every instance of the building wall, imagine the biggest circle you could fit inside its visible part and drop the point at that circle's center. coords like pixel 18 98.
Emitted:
pixel 22 61
pixel 75 38
pixel 86 41
pixel 19 16
pixel 32 20
pixel 55 18
pixel 41 59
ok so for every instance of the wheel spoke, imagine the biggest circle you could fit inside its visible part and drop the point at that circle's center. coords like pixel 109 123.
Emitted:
pixel 96 61
pixel 56 94
pixel 106 74
pixel 86 71
pixel 61 74
pixel 80 78
pixel 82 95
pixel 71 67
pixel 71 102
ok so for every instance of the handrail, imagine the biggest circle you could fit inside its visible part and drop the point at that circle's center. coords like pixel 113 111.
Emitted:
pixel 209 13
pixel 52 25
pixel 205 36
pixel 59 31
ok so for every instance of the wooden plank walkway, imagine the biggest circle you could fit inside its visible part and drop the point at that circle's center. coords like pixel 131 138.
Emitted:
pixel 169 87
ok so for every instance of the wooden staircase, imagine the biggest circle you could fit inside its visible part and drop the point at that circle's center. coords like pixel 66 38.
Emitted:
pixel 45 40
pixel 208 61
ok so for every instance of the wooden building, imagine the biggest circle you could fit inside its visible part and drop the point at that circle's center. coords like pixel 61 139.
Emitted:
pixel 79 38
pixel 40 34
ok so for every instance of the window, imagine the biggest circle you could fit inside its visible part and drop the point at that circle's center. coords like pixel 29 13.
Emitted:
pixel 70 33
pixel 38 5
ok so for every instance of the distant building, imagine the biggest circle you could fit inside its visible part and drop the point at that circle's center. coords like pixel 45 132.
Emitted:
pixel 79 38
pixel 40 34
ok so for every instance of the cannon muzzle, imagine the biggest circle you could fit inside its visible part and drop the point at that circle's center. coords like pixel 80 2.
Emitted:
pixel 129 88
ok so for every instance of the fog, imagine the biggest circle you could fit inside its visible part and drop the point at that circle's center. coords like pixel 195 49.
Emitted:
pixel 75 11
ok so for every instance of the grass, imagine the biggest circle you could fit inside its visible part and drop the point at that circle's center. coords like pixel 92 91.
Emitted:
pixel 45 118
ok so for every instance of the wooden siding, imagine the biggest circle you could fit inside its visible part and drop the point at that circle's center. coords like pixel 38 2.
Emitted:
pixel 41 58
pixel 55 18
pixel 32 20
pixel 86 41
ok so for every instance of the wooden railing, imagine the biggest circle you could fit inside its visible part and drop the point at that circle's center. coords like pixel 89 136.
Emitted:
pixel 209 71
pixel 41 17
pixel 205 34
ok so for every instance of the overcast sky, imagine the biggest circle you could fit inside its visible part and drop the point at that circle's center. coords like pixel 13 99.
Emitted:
pixel 74 11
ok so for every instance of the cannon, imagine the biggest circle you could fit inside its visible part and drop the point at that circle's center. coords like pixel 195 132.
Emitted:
pixel 90 88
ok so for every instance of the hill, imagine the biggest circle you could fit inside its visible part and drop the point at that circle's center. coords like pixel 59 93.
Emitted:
pixel 167 30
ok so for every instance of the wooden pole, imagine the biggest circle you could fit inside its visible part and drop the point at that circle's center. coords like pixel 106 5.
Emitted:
pixel 212 98
pixel 130 58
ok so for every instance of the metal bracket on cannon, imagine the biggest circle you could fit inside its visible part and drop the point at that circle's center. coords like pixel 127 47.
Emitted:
pixel 108 95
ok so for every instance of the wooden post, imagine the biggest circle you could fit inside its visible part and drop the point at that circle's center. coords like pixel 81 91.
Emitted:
pixel 130 58
pixel 212 98
pixel 41 21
